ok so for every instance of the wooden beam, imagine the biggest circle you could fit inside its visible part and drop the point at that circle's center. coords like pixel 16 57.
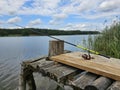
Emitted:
pixel 115 86
pixel 84 80
pixel 103 67
pixel 101 83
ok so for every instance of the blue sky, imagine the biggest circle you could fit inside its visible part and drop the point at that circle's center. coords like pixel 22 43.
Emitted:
pixel 59 14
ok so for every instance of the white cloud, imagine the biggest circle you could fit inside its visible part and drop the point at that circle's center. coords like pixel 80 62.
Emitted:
pixel 86 5
pixel 83 26
pixel 60 8
pixel 14 20
pixel 34 22
pixel 59 16
pixel 14 27
pixel 41 7
pixel 55 22
pixel 92 9
pixel 78 7
pixel 109 5
pixel 100 15
pixel 57 19
pixel 10 6
pixel 79 26
pixel 48 4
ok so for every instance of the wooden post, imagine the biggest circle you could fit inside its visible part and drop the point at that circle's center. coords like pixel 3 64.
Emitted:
pixel 56 48
pixel 22 79
pixel 31 82
pixel 26 77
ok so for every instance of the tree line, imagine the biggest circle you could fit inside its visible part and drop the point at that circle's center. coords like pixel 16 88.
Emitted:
pixel 42 32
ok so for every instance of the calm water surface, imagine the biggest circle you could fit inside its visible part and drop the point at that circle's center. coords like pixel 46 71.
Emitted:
pixel 14 50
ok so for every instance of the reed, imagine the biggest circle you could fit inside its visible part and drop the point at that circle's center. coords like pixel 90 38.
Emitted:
pixel 109 41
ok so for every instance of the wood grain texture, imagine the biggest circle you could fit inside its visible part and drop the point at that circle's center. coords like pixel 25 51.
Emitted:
pixel 99 65
pixel 56 48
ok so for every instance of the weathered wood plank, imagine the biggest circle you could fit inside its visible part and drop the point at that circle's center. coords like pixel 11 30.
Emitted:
pixel 115 86
pixel 97 59
pixel 45 70
pixel 59 72
pixel 102 67
pixel 35 60
pixel 84 80
pixel 41 63
pixel 101 83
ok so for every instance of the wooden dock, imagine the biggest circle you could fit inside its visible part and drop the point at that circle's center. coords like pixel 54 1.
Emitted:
pixel 68 74
pixel 108 67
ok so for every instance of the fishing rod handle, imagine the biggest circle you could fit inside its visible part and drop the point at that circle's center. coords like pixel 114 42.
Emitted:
pixel 105 56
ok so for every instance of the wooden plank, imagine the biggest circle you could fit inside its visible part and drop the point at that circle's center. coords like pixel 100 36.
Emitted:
pixel 41 63
pixel 59 72
pixel 84 80
pixel 97 59
pixel 99 65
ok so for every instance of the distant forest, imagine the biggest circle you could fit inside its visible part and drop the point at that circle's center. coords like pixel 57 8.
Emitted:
pixel 42 32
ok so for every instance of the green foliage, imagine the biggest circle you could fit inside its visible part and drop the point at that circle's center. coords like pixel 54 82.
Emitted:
pixel 108 42
pixel 90 42
pixel 24 33
pixel 3 33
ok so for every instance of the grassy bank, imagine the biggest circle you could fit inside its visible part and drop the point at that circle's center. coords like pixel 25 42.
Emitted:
pixel 109 41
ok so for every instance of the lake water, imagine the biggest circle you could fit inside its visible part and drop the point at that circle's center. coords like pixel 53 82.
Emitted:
pixel 14 50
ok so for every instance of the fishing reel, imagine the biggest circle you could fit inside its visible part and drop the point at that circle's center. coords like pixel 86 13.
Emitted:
pixel 87 57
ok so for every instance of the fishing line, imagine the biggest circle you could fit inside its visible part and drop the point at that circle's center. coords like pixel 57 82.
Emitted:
pixel 78 46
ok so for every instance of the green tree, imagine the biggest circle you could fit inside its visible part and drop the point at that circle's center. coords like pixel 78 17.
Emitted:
pixel 25 33
pixel 3 33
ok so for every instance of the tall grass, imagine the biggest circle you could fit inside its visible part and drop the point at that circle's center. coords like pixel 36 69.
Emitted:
pixel 109 41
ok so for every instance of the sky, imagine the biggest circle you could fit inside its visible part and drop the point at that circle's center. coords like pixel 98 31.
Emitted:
pixel 81 15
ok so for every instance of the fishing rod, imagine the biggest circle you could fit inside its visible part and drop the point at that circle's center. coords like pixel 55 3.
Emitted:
pixel 78 46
